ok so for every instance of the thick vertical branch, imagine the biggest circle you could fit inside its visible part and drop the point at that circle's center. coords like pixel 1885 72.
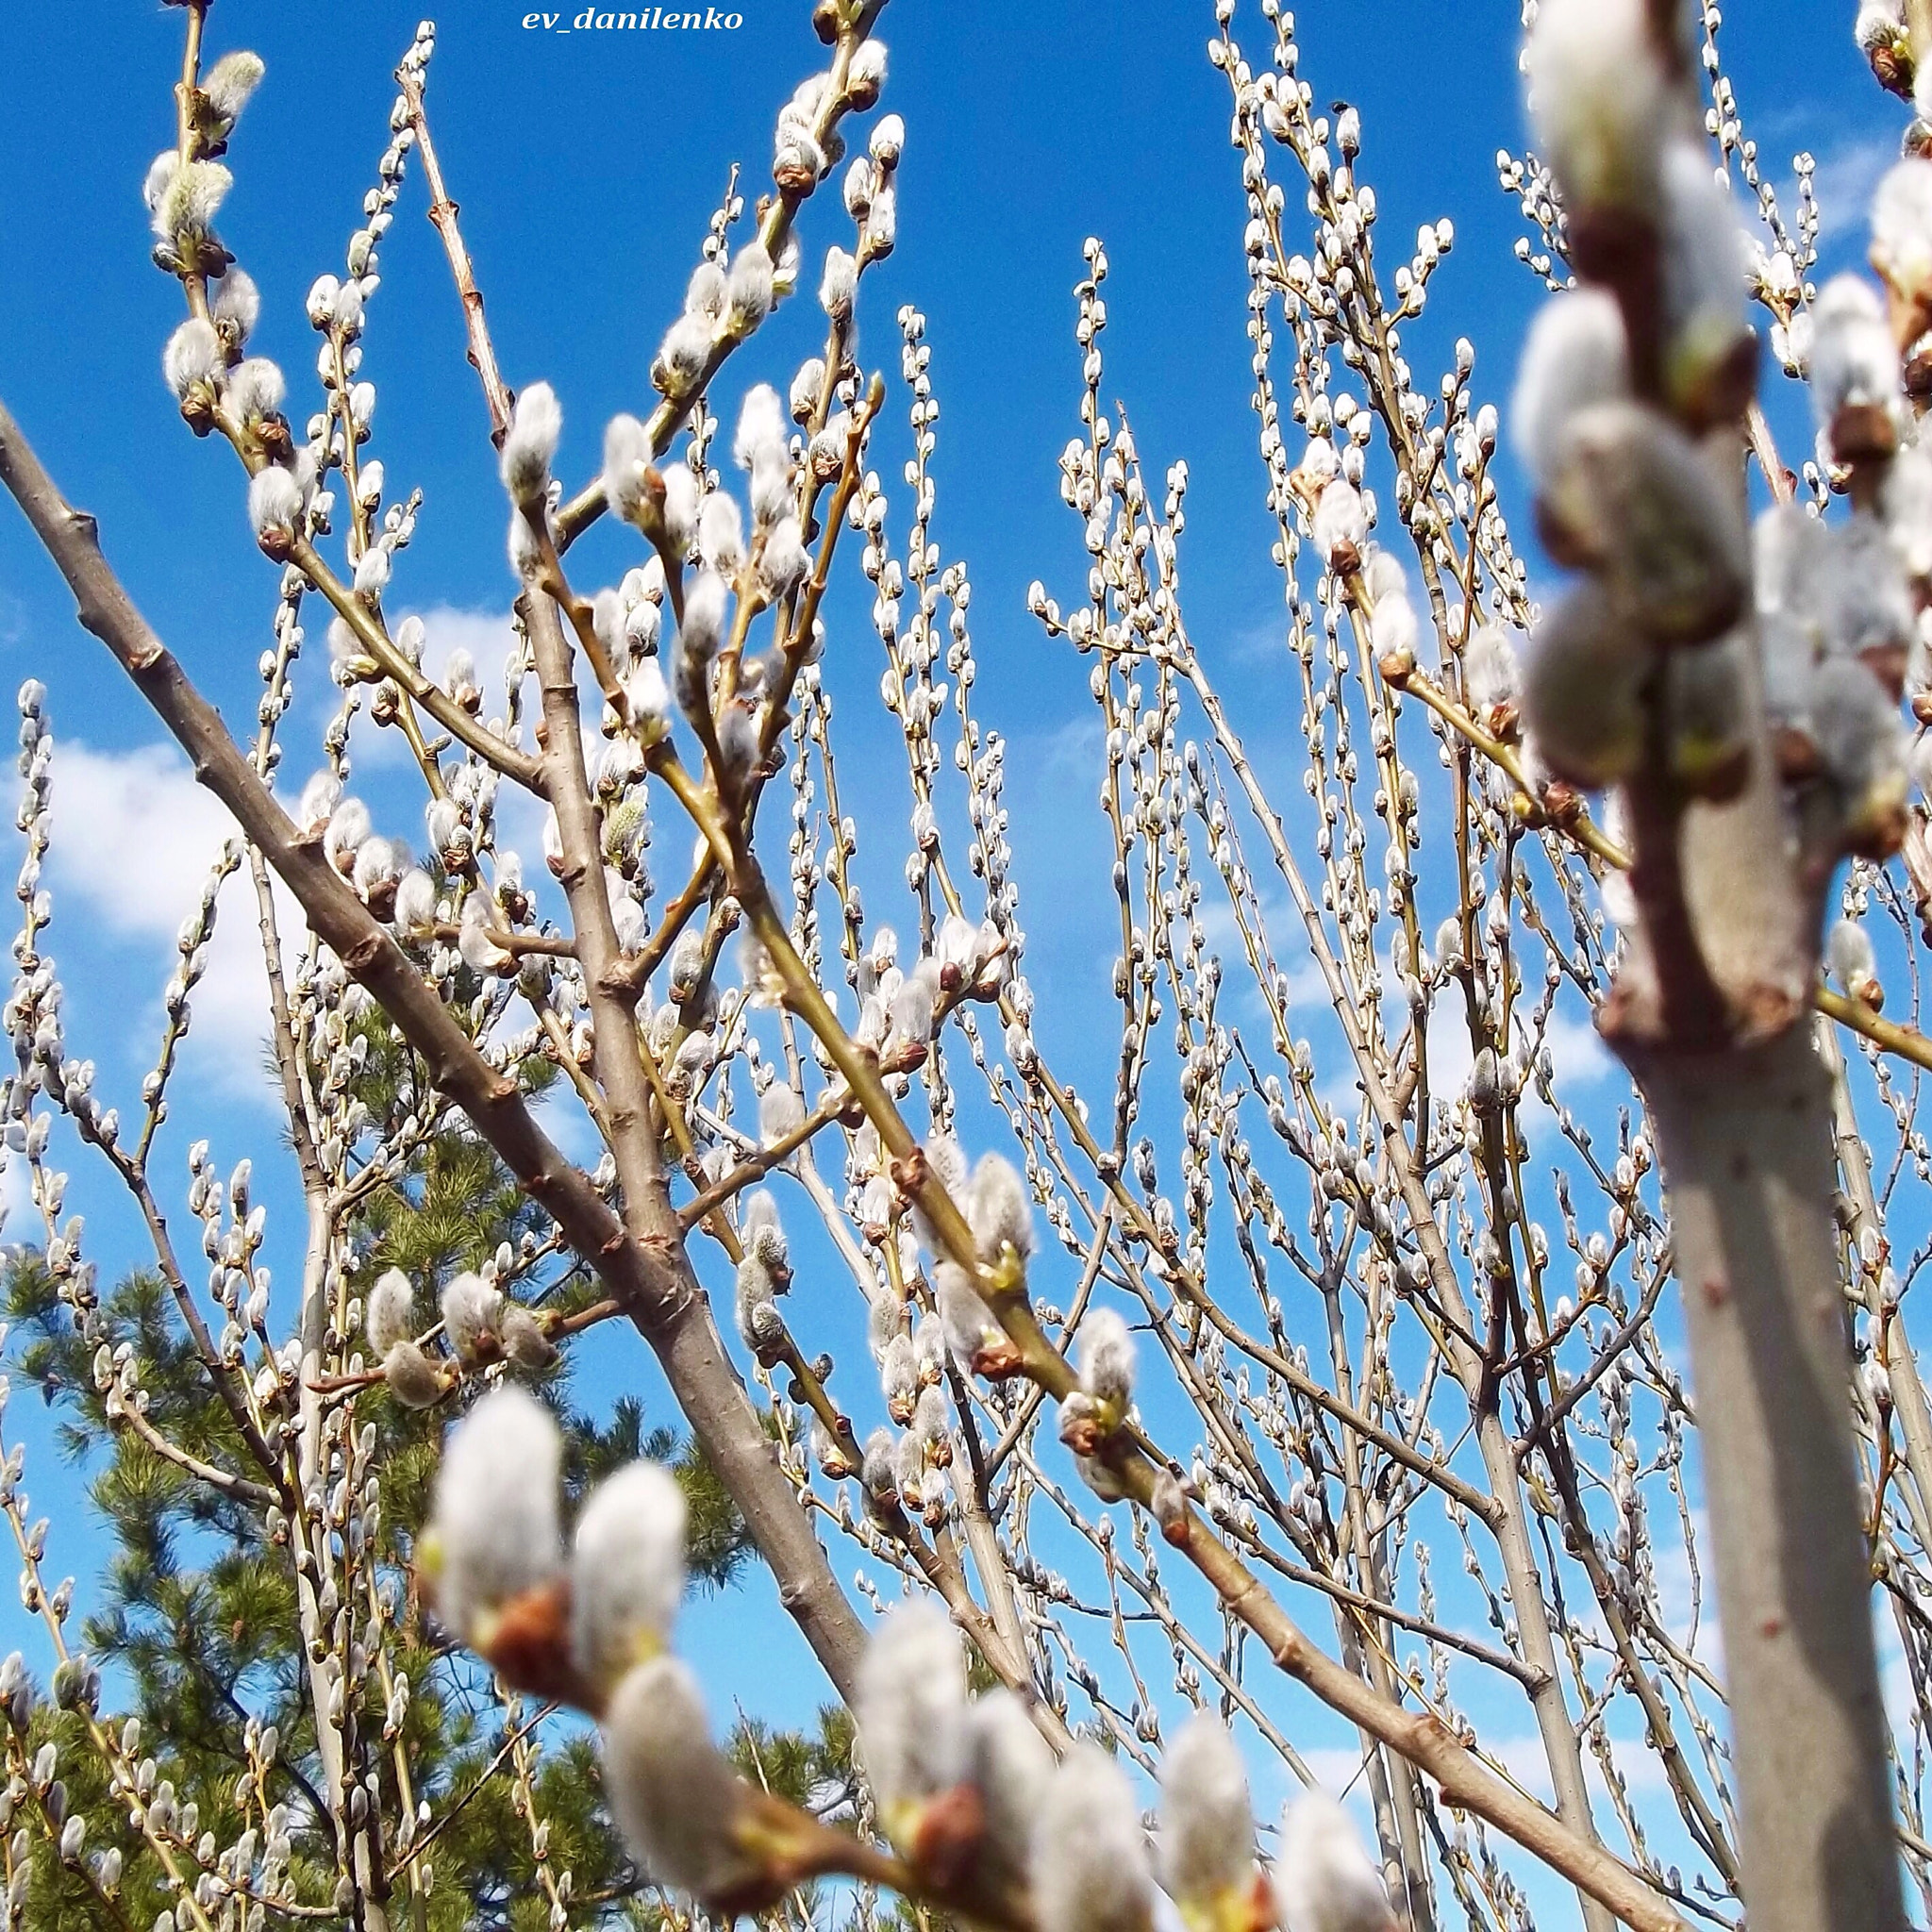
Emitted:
pixel 678 1322
pixel 1746 1141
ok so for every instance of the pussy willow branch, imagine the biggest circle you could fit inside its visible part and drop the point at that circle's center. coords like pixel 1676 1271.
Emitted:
pixel 1421 1739
pixel 411 77
pixel 575 517
pixel 1509 1523
pixel 655 1286
pixel 1574 823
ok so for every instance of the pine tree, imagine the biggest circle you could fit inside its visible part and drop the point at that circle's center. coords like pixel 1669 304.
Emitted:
pixel 196 1608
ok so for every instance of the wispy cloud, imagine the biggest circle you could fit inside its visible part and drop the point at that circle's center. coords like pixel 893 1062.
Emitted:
pixel 1846 177
pixel 135 839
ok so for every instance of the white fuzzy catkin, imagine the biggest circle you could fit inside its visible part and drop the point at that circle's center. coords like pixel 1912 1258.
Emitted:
pixel 1856 727
pixel 969 1323
pixel 1877 23
pixel 536 425
pixel 764 1233
pixel 759 1320
pixel 275 503
pixel 685 351
pixel 626 1570
pixel 878 1469
pixel 1599 99
pixel 1340 525
pixel 348 826
pixel 187 200
pixel 1392 627
pixel 840 284
pixel 415 907
pixel 946 1158
pixel 899 1377
pixel 1010 1764
pixel 999 1211
pixel 471 1308
pixel 911 1707
pixel 1901 224
pixel 704 295
pixel 1323 1881
pixel 319 797
pixel 524 1339
pixel 784 561
pixel 932 1420
pixel 390 1315
pixel 705 605
pixel 1492 673
pixel 911 1007
pixel 1854 360
pixel 1850 958
pixel 1575 355
pixel 1104 1350
pixel 494 1520
pixel 749 287
pixel 1583 690
pixel 721 534
pixel 230 81
pixel 675 1797
pixel 649 698
pixel 1705 702
pixel 413 1379
pixel 882 221
pixel 255 389
pixel 193 354
pixel 1088 1861
pixel 1637 498
pixel 1703 253
pixel 780 1112
pixel 888 144
pixel 1905 501
pixel 1790 560
pixel 627 452
pixel 526 558
pixel 1206 1836
pixel 235 303
pixel 760 427
pixel 1861 593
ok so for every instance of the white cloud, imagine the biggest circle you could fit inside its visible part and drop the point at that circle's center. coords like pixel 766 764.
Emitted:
pixel 1844 182
pixel 135 839
pixel 19 1218
pixel 486 635
pixel 1577 1053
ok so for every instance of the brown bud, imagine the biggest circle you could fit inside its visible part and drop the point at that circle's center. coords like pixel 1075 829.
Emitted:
pixel 1170 1504
pixel 1863 432
pixel 947 1837
pixel 528 1643
pixel 794 173
pixel 998 1362
pixel 1796 755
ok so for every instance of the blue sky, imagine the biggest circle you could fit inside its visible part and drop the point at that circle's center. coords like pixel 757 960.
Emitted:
pixel 587 166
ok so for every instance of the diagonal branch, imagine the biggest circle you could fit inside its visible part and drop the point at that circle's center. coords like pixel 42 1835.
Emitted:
pixel 653 1283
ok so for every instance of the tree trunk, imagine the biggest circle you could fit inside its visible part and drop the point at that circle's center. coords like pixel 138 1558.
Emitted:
pixel 1745 1137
